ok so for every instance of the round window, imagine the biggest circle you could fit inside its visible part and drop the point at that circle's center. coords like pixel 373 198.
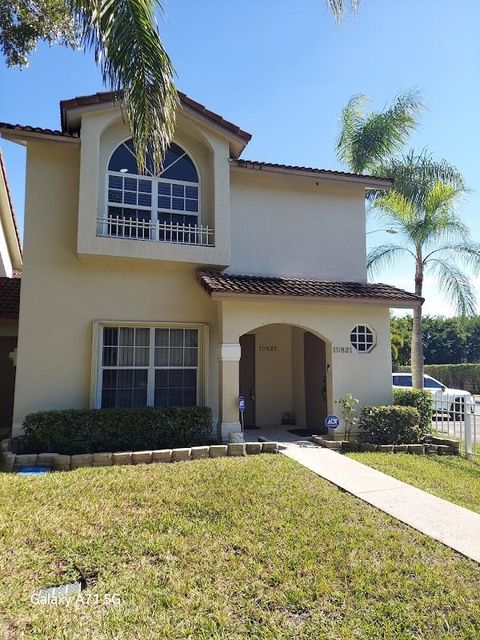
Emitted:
pixel 363 338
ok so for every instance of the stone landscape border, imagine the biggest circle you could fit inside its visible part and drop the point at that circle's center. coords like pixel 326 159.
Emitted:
pixel 434 445
pixel 60 462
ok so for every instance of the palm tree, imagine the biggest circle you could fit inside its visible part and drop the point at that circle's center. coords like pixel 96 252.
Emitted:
pixel 338 7
pixel 421 207
pixel 434 237
pixel 127 46
pixel 125 40
pixel 369 138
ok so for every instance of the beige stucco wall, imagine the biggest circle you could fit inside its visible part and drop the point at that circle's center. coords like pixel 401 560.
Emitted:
pixel 62 295
pixel 273 373
pixel 294 226
pixel 366 376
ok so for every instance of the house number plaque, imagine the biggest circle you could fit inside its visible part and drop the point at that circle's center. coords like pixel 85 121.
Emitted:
pixel 342 349
pixel 268 347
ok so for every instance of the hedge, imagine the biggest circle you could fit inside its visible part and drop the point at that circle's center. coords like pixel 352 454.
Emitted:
pixel 455 376
pixel 390 425
pixel 95 430
pixel 421 400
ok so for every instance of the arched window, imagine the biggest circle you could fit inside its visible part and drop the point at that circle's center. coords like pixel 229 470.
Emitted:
pixel 152 207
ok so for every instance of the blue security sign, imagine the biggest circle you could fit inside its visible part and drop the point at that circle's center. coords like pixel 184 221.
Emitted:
pixel 332 422
pixel 241 403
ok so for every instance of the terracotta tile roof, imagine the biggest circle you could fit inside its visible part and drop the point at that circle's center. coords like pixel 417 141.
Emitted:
pixel 255 164
pixel 211 115
pixel 9 297
pixel 186 101
pixel 216 283
pixel 30 129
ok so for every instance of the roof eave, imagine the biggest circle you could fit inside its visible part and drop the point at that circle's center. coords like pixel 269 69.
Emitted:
pixel 379 302
pixel 9 220
pixel 369 182
pixel 22 136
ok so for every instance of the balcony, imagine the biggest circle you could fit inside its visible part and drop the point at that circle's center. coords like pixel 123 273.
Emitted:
pixel 146 230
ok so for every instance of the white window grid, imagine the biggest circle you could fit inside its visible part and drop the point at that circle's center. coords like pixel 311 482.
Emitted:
pixel 150 366
pixel 363 338
pixel 155 192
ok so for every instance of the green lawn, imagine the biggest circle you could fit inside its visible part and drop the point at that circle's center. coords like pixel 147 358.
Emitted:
pixel 254 548
pixel 451 477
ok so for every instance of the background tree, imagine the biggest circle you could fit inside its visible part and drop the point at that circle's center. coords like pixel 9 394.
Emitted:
pixel 126 44
pixel 396 343
pixel 472 340
pixel 402 327
pixel 444 340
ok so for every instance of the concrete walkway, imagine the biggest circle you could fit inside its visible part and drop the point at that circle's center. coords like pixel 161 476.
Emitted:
pixel 455 526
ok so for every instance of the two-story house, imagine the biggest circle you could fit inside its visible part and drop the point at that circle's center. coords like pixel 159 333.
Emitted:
pixel 217 277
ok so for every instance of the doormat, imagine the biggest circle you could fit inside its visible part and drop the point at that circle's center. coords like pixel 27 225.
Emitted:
pixel 301 432
pixel 251 428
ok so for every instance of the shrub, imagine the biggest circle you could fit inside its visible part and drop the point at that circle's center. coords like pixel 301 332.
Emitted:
pixel 94 430
pixel 390 425
pixel 349 407
pixel 421 400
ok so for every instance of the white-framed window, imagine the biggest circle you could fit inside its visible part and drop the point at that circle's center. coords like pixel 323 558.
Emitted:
pixel 140 365
pixel 135 203
pixel 363 338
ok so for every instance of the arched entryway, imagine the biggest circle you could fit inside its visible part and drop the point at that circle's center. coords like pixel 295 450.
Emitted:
pixel 284 378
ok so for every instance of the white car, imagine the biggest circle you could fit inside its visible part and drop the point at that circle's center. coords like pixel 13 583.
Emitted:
pixel 445 400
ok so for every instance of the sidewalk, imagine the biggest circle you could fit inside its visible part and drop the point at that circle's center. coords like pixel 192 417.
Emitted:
pixel 454 526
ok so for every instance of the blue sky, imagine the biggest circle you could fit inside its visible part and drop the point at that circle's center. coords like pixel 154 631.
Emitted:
pixel 283 71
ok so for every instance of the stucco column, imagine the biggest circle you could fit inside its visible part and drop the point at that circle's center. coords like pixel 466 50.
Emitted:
pixel 229 358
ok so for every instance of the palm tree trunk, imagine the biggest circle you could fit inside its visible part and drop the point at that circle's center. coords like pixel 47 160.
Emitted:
pixel 417 346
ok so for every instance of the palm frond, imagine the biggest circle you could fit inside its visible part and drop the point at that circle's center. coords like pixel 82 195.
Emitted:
pixel 467 252
pixel 368 139
pixel 456 286
pixel 415 174
pixel 441 197
pixel 135 65
pixel 437 220
pixel 384 256
pixel 352 119
pixel 397 212
pixel 337 7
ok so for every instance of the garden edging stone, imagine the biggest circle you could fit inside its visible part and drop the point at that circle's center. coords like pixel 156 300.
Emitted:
pixel 60 462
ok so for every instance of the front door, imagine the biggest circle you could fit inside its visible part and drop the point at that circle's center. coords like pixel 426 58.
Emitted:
pixel 7 382
pixel 247 377
pixel 315 383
